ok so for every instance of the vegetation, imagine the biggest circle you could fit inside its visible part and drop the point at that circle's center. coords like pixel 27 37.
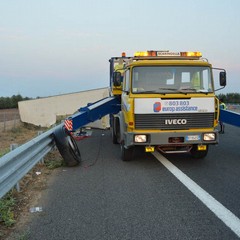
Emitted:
pixel 230 97
pixel 6 210
pixel 3 152
pixel 11 102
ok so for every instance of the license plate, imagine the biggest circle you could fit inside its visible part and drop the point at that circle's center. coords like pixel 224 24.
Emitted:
pixel 149 149
pixel 193 138
pixel 202 147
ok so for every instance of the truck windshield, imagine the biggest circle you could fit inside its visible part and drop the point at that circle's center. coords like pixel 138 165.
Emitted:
pixel 174 79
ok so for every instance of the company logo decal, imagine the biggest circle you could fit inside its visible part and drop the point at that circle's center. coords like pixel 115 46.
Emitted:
pixel 157 107
pixel 175 121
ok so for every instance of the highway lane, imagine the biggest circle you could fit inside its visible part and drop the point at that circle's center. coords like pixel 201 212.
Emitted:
pixel 219 172
pixel 106 198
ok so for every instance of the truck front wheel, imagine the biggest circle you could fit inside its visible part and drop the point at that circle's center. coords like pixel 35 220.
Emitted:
pixel 115 131
pixel 198 154
pixel 126 153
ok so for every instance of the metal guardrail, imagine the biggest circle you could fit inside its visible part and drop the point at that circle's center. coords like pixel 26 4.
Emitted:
pixel 17 163
pixel 229 117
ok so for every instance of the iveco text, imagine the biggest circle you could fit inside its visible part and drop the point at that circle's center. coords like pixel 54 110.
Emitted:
pixel 175 121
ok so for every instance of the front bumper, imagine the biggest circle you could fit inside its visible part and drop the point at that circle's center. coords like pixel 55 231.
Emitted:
pixel 172 138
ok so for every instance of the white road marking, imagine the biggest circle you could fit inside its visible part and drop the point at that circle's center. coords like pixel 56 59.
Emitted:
pixel 231 220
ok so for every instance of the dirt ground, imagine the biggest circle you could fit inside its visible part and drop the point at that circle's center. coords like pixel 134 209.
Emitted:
pixel 9 114
pixel 31 186
pixel 17 135
pixel 9 118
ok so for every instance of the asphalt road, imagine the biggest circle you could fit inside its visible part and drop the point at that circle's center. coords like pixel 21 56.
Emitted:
pixel 106 198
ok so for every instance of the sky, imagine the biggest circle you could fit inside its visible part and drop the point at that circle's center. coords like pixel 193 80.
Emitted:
pixel 51 47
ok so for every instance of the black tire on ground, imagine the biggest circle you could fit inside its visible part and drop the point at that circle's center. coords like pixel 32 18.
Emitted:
pixel 126 153
pixel 67 147
pixel 114 136
pixel 198 154
pixel 115 131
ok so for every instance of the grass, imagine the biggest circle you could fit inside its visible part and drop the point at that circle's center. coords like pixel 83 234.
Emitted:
pixel 7 204
pixel 53 160
pixel 16 130
pixel 17 135
pixel 3 152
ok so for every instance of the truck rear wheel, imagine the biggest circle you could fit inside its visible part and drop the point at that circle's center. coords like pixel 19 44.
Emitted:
pixel 198 154
pixel 114 136
pixel 115 131
pixel 67 147
pixel 126 153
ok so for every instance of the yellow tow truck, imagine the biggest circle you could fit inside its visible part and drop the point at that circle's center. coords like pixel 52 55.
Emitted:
pixel 158 100
pixel 168 102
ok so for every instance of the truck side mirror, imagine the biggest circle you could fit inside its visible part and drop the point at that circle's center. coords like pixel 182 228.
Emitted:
pixel 117 77
pixel 222 79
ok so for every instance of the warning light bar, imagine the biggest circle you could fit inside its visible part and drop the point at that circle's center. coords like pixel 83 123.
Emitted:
pixel 191 54
pixel 167 54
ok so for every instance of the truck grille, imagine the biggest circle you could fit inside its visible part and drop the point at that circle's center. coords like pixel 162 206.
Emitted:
pixel 190 121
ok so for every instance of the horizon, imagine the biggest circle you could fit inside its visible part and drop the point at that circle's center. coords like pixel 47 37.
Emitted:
pixel 59 47
pixel 32 98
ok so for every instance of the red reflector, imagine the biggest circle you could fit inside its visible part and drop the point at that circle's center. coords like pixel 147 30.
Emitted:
pixel 68 124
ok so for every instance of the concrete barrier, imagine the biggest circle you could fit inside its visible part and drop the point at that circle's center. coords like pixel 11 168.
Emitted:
pixel 44 111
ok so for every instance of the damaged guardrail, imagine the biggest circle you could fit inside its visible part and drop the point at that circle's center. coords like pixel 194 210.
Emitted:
pixel 17 163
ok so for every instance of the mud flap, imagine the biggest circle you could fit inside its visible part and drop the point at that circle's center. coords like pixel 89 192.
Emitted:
pixel 67 147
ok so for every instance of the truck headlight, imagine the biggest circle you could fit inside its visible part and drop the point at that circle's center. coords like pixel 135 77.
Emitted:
pixel 209 136
pixel 140 138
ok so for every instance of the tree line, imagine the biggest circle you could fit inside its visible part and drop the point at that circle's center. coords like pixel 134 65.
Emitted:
pixel 230 98
pixel 11 102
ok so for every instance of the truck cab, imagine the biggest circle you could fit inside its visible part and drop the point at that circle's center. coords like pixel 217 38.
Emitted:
pixel 168 103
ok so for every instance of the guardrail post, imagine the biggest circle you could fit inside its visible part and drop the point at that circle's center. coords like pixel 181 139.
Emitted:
pixel 12 147
pixel 54 125
pixel 42 160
